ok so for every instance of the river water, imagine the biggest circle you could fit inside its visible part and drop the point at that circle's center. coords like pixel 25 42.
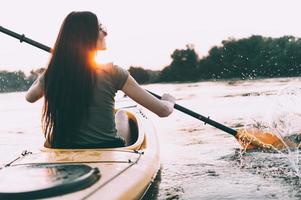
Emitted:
pixel 198 161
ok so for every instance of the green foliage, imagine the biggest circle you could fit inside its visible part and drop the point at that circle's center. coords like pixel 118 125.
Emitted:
pixel 253 57
pixel 139 74
pixel 184 66
pixel 248 58
pixel 12 81
pixel 143 76
pixel 17 81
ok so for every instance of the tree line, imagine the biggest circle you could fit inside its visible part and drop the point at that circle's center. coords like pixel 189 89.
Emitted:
pixel 17 81
pixel 247 58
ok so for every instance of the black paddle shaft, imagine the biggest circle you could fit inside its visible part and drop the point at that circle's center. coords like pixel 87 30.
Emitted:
pixel 22 38
pixel 207 120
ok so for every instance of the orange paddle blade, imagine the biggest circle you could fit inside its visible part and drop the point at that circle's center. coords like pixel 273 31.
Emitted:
pixel 255 138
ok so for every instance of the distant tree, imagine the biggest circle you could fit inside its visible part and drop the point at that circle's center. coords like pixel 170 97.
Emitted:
pixel 154 76
pixel 17 81
pixel 184 66
pixel 139 74
pixel 166 75
pixel 12 81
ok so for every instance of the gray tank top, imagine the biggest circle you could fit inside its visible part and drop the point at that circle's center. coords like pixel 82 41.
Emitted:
pixel 99 130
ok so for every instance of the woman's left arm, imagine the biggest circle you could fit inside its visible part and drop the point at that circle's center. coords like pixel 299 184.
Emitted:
pixel 35 92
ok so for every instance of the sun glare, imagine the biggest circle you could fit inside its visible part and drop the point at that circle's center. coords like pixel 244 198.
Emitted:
pixel 103 57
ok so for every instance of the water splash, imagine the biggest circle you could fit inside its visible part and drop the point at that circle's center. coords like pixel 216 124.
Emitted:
pixel 284 120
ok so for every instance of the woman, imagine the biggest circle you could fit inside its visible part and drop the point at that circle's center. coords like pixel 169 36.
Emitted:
pixel 79 93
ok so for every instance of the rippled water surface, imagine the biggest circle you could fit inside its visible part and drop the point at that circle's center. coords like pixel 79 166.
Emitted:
pixel 198 161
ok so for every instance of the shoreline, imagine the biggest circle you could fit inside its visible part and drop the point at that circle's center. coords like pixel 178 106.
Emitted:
pixel 231 81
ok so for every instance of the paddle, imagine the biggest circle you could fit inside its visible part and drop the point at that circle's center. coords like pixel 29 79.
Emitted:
pixel 253 138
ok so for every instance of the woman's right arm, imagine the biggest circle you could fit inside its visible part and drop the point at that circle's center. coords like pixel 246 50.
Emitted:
pixel 162 108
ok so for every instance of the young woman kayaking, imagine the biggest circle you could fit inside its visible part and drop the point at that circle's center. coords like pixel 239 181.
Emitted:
pixel 79 93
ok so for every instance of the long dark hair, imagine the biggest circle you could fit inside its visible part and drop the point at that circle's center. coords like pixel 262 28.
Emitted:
pixel 69 78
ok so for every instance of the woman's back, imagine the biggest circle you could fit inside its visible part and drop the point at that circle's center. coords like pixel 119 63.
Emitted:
pixel 98 129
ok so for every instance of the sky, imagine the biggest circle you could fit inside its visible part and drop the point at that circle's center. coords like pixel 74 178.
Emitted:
pixel 144 33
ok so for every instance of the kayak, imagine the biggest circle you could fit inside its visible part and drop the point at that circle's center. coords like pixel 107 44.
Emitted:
pixel 110 173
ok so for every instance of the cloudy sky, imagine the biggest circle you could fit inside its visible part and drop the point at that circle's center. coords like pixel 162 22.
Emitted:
pixel 145 33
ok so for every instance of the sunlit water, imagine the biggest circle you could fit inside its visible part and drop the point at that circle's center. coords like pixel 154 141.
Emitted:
pixel 198 161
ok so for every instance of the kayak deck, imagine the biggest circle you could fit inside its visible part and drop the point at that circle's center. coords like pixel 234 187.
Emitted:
pixel 125 173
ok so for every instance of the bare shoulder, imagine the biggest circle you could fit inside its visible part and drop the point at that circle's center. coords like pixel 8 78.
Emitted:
pixel 105 67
